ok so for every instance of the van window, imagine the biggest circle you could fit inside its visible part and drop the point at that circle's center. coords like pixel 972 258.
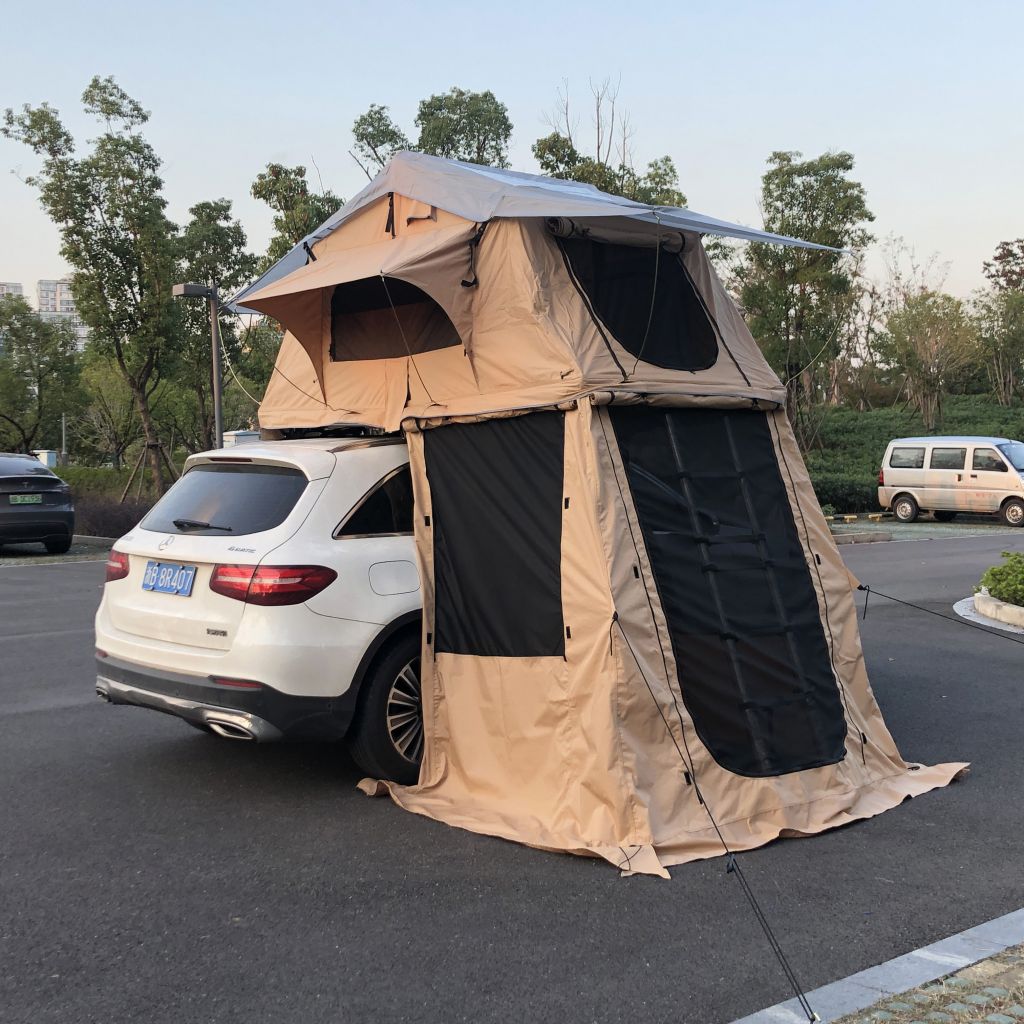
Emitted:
pixel 987 458
pixel 387 509
pixel 948 458
pixel 233 500
pixel 906 458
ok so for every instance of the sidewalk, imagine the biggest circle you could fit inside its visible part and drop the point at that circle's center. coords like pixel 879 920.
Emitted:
pixel 990 991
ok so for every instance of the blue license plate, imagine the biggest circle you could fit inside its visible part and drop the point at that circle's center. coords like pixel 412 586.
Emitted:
pixel 169 578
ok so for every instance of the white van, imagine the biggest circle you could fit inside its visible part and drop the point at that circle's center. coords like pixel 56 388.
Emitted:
pixel 946 475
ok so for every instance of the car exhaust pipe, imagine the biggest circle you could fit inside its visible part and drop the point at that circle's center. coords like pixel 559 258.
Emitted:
pixel 103 695
pixel 229 730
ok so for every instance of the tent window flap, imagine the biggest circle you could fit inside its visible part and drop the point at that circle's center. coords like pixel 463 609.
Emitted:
pixel 386 318
pixel 754 667
pixel 646 300
pixel 496 504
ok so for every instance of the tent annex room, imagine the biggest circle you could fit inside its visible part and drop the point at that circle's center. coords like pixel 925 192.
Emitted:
pixel 639 639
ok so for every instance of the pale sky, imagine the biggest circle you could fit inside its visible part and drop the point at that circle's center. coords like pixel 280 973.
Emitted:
pixel 925 94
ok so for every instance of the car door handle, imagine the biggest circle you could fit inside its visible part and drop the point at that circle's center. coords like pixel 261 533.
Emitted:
pixel 974 476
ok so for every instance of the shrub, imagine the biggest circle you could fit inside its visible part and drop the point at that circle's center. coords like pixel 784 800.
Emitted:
pixel 98 515
pixel 94 480
pixel 1005 581
pixel 846 493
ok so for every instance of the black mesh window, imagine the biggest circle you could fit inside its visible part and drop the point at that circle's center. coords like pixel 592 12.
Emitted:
pixel 386 509
pixel 754 667
pixel 646 300
pixel 496 497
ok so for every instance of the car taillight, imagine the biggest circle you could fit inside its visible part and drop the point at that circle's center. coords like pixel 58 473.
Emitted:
pixel 881 477
pixel 117 566
pixel 271 584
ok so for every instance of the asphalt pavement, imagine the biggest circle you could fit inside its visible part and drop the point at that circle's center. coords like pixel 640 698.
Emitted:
pixel 152 873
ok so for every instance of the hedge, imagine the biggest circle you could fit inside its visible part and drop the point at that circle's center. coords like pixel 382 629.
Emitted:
pixel 846 493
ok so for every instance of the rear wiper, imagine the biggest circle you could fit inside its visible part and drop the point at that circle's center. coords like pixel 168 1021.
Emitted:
pixel 198 524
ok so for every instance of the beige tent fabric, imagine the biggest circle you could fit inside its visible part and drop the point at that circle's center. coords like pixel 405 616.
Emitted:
pixel 594 753
pixel 587 754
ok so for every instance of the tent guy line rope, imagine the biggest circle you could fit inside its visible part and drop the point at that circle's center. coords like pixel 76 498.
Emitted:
pixel 732 865
pixel 869 590
pixel 405 342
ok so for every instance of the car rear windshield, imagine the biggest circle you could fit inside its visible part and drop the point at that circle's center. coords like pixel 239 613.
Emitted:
pixel 228 500
pixel 1014 451
pixel 11 465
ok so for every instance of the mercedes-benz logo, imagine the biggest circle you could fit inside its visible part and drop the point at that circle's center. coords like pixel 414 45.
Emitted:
pixel 166 542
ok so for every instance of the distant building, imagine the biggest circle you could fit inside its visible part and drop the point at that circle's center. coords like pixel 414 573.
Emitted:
pixel 11 288
pixel 56 303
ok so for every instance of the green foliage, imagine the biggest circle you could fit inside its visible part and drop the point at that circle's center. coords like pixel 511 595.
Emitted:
pixel 929 337
pixel 458 124
pixel 800 303
pixel 377 137
pixel 1006 268
pixel 1005 582
pixel 109 208
pixel 658 185
pixel 464 125
pixel 39 377
pixel 999 323
pixel 845 493
pixel 297 210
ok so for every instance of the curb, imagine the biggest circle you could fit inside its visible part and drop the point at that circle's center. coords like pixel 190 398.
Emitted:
pixel 861 538
pixel 1001 611
pixel 92 542
pixel 900 974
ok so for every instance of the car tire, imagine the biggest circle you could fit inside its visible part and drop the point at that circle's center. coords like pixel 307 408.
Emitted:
pixel 1012 512
pixel 904 509
pixel 944 516
pixel 385 741
pixel 59 545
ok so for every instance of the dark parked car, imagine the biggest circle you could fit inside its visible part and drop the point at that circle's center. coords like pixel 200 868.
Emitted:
pixel 35 505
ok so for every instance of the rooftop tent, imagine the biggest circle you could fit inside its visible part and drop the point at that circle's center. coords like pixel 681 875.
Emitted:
pixel 635 617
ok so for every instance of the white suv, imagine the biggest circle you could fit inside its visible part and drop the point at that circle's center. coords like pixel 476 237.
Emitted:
pixel 272 592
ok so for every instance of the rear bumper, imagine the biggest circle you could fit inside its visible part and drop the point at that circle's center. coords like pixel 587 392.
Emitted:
pixel 264 714
pixel 35 524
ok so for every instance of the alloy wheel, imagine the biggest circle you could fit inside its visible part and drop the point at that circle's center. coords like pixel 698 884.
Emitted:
pixel 405 713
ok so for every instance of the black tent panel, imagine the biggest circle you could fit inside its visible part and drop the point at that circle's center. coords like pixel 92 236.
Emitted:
pixel 646 300
pixel 754 666
pixel 496 502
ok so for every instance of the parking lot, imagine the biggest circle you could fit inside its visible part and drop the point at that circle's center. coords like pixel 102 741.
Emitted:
pixel 154 873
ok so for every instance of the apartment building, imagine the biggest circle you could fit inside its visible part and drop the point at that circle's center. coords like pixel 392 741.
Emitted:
pixel 11 288
pixel 55 302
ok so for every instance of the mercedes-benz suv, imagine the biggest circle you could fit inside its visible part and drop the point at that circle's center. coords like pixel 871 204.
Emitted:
pixel 272 592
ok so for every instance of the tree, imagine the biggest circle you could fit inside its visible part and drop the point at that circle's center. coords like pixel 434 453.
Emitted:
pixel 1006 268
pixel 999 317
pixel 298 211
pixel 377 137
pixel 800 303
pixel 929 338
pixel 38 377
pixel 109 209
pixel 610 165
pixel 109 423
pixel 212 250
pixel 458 124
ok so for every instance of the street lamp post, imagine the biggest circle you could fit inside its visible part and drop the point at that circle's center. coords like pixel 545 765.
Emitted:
pixel 202 291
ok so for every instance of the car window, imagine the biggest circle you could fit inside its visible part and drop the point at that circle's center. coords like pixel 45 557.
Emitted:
pixel 906 458
pixel 233 499
pixel 387 509
pixel 12 465
pixel 1014 451
pixel 987 458
pixel 948 458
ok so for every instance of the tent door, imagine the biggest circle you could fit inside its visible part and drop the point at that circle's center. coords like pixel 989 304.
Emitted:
pixel 754 667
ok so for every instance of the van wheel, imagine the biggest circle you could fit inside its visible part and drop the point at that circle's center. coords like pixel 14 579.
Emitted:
pixel 905 509
pixel 1012 512
pixel 386 740
pixel 944 516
